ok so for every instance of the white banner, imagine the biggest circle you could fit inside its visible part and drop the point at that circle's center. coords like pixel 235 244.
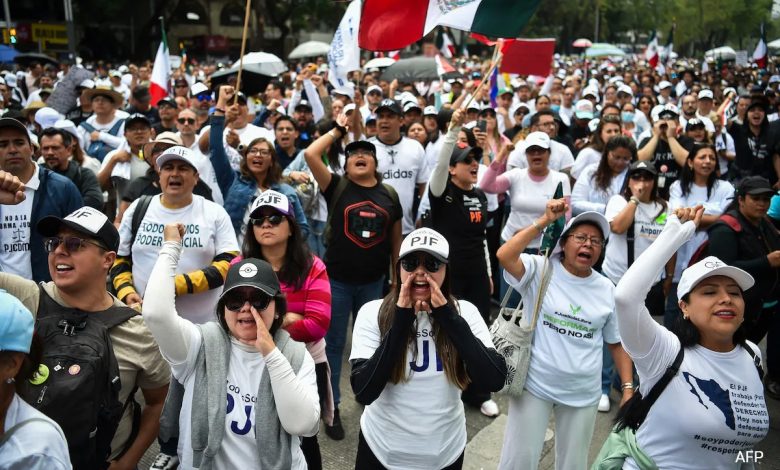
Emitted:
pixel 344 55
pixel 742 58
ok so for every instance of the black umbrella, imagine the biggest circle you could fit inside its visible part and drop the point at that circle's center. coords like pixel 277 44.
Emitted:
pixel 29 57
pixel 416 69
pixel 251 81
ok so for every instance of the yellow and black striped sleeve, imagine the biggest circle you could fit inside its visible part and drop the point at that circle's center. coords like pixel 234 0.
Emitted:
pixel 205 279
pixel 122 276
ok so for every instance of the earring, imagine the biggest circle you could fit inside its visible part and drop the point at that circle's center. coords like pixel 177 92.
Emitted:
pixel 685 317
pixel 10 381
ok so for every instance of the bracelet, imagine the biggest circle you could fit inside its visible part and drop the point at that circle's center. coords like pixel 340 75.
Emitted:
pixel 670 275
pixel 634 200
pixel 219 110
pixel 627 385
pixel 538 227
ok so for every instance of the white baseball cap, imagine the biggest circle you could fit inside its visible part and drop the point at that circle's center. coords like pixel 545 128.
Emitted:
pixel 374 88
pixel 46 117
pixel 708 267
pixel 706 94
pixel 583 109
pixel 625 89
pixel 198 88
pixel 176 153
pixel 430 111
pixel 348 108
pixel 588 216
pixel 428 241
pixel 538 139
pixel 274 200
pixel 664 84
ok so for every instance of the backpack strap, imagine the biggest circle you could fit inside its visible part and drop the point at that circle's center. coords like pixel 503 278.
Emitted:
pixel 341 186
pixel 393 194
pixel 9 433
pixel 732 222
pixel 138 216
pixel 89 127
pixel 659 386
pixel 756 360
pixel 115 128
pixel 630 244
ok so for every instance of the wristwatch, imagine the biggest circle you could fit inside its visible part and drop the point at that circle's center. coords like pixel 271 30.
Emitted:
pixel 634 200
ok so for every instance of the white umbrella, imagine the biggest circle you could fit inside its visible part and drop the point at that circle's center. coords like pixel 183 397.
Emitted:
pixel 724 53
pixel 602 49
pixel 262 63
pixel 774 44
pixel 378 63
pixel 310 49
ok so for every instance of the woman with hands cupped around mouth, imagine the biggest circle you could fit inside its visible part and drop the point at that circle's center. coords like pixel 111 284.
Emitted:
pixel 413 353
pixel 260 393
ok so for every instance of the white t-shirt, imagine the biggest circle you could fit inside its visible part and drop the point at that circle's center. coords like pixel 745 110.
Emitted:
pixel 418 424
pixel 721 398
pixel 561 157
pixel 247 366
pixel 206 171
pixel 15 256
pixel 724 141
pixel 576 317
pixel 125 172
pixel 34 446
pixel 586 196
pixel 720 198
pixel 403 167
pixel 251 132
pixel 587 156
pixel 649 220
pixel 529 198
pixel 208 233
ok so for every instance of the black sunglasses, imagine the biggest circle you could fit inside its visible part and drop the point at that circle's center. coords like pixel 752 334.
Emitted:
pixel 431 264
pixel 274 219
pixel 189 121
pixel 71 243
pixel 234 301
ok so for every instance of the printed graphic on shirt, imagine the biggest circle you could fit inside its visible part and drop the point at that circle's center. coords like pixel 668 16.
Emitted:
pixel 474 206
pixel 365 223
pixel 16 228
pixel 151 234
pixel 571 324
pixel 736 408
pixel 422 361
pixel 240 409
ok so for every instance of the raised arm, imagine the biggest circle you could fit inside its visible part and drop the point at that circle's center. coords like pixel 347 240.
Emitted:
pixel 494 181
pixel 440 173
pixel 314 151
pixel 171 331
pixel 219 159
pixel 638 330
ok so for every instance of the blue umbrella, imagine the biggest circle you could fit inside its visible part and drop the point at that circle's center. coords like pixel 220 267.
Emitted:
pixel 7 53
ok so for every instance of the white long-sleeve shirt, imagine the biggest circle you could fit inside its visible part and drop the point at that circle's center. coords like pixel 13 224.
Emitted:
pixel 296 398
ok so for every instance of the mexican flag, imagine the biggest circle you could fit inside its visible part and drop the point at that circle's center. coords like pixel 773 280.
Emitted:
pixel 445 44
pixel 760 54
pixel 394 24
pixel 651 53
pixel 161 72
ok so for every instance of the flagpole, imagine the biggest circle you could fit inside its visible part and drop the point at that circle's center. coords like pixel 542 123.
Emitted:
pixel 243 48
pixel 495 61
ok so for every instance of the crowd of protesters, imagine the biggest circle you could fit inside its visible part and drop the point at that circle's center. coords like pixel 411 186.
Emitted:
pixel 211 250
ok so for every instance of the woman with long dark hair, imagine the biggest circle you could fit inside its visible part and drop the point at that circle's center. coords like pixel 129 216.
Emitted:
pixel 715 380
pixel 413 352
pixel 698 185
pixel 258 171
pixel 598 182
pixel 609 126
pixel 273 236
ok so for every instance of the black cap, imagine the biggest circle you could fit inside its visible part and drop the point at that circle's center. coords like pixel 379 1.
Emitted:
pixel 86 220
pixel 137 117
pixel 252 272
pixel 360 144
pixel 760 101
pixel 642 165
pixel 166 101
pixel 7 122
pixel 463 151
pixel 390 105
pixel 301 104
pixel 754 185
pixel 695 122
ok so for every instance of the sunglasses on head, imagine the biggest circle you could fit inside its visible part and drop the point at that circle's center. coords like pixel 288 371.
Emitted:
pixel 273 219
pixel 71 243
pixel 411 262
pixel 234 301
pixel 189 121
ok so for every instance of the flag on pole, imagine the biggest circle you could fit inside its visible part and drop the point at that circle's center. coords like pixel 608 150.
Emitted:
pixel 344 54
pixel 760 54
pixel 442 66
pixel 445 44
pixel 669 45
pixel 161 72
pixel 651 53
pixel 394 24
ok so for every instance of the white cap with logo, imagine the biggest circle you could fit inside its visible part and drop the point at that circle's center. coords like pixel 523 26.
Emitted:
pixel 428 241
pixel 177 153
pixel 537 139
pixel 708 267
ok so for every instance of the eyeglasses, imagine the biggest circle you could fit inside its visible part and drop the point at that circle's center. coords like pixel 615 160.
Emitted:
pixel 189 121
pixel 274 219
pixel 234 301
pixel 257 151
pixel 581 239
pixel 71 243
pixel 431 264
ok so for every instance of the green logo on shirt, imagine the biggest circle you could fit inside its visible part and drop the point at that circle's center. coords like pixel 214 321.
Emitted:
pixel 574 310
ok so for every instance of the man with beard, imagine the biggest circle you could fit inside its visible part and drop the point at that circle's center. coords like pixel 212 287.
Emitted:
pixel 55 149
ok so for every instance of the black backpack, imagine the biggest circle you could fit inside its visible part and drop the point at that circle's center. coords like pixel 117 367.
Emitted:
pixel 80 389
